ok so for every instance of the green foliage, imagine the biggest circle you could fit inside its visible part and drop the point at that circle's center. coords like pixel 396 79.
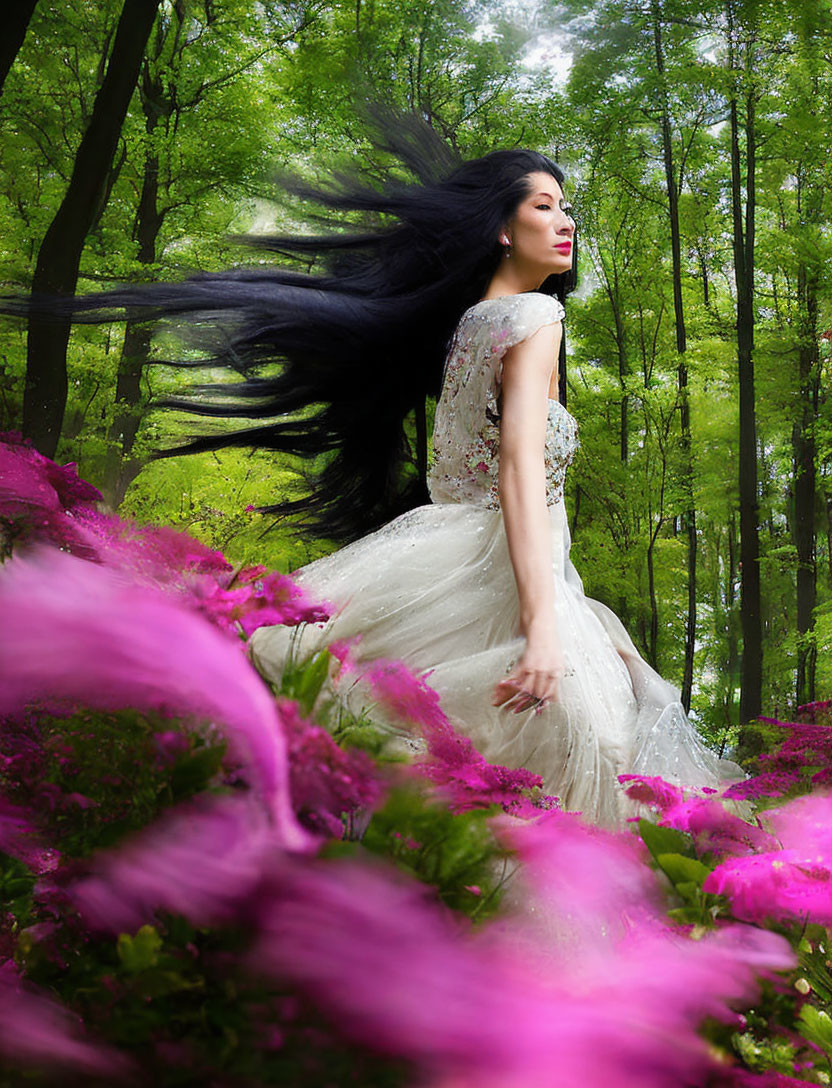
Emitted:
pixel 454 854
pixel 106 774
pixel 165 993
pixel 230 89
pixel 207 495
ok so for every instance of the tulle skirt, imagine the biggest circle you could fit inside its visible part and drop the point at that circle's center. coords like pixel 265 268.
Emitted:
pixel 435 588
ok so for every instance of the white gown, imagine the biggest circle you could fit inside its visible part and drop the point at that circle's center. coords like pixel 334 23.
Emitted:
pixel 435 588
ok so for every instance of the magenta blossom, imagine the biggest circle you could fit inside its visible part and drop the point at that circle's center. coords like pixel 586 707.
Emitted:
pixel 463 776
pixel 790 883
pixel 153 553
pixel 40 499
pixel 326 782
pixel 36 1031
pixel 397 973
pixel 201 860
pixel 816 710
pixel 653 791
pixel 20 839
pixel 778 885
pixel 257 599
pixel 567 862
pixel 714 829
pixel 60 483
pixel 77 633
pixel 771 784
pixel 803 757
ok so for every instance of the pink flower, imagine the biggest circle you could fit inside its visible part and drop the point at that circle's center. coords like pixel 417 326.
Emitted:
pixel 152 553
pixel 465 779
pixel 597 883
pixel 36 1031
pixel 20 839
pixel 39 498
pixel 202 860
pixel 327 783
pixel 714 829
pixel 397 973
pixel 257 599
pixel 652 790
pixel 775 885
pixel 79 634
pixel 405 696
pixel 788 884
pixel 773 784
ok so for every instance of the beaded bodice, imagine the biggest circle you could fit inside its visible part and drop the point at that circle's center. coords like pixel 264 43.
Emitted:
pixel 466 436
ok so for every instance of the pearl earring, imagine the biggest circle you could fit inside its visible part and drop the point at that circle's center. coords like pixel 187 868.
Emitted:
pixel 506 241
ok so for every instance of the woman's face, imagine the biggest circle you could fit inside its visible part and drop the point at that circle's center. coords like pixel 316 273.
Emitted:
pixel 540 231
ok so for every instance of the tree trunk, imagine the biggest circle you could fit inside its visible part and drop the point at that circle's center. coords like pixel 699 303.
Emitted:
pixel 623 364
pixel 743 238
pixel 653 640
pixel 732 663
pixel 56 271
pixel 689 515
pixel 15 24
pixel 119 471
pixel 803 445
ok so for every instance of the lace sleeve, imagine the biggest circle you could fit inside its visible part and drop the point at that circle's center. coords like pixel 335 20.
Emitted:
pixel 522 317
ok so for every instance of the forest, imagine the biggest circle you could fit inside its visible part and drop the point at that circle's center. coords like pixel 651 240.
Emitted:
pixel 147 140
pixel 694 141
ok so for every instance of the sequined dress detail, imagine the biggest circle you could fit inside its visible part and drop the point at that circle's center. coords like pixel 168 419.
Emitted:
pixel 466 437
pixel 435 588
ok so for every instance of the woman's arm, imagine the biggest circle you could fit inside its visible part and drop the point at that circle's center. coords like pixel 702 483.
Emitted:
pixel 528 370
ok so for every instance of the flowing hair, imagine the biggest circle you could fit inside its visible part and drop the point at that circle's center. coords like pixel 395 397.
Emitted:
pixel 358 345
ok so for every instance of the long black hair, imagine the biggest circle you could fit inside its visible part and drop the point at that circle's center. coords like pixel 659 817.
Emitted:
pixel 360 344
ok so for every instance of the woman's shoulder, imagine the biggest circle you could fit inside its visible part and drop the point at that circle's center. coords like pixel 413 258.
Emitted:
pixel 508 319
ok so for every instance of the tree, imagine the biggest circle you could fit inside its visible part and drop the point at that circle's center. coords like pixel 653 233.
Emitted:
pixel 56 270
pixel 15 24
pixel 741 41
pixel 195 55
pixel 689 514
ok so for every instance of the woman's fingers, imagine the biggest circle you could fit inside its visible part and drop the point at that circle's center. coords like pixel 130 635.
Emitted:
pixel 526 690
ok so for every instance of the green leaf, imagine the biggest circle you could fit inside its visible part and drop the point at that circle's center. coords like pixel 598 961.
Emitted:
pixel 689 891
pixel 306 680
pixel 816 1026
pixel 683 870
pixel 686 916
pixel 140 952
pixel 664 840
pixel 194 771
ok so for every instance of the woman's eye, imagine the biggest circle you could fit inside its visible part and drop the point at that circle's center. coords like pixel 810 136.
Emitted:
pixel 545 207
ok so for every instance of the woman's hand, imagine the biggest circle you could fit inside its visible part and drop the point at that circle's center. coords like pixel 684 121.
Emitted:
pixel 533 682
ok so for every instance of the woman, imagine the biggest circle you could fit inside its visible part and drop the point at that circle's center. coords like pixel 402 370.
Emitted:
pixel 476 587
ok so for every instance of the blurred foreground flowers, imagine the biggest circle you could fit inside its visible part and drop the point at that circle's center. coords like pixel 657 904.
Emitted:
pixel 208 883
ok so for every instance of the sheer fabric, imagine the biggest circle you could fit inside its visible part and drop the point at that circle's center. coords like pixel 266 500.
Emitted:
pixel 435 588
